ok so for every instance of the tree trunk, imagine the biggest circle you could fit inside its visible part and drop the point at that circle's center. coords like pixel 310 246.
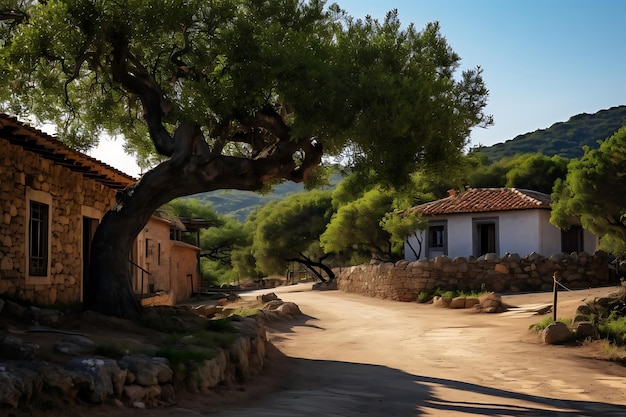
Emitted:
pixel 310 264
pixel 189 171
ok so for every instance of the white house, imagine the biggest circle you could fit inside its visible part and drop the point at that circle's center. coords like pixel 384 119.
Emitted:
pixel 494 220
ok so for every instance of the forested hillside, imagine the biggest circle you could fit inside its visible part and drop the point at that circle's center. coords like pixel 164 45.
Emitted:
pixel 240 203
pixel 563 138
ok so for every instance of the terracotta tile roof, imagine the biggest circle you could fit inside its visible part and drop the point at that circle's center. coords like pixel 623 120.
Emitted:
pixel 33 140
pixel 480 200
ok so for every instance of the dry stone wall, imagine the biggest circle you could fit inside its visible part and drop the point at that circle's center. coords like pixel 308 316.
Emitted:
pixel 70 192
pixel 404 281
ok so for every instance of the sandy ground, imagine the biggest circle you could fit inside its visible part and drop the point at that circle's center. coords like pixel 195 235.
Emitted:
pixel 351 355
pixel 358 356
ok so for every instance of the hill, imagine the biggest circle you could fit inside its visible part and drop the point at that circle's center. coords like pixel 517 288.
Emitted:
pixel 241 203
pixel 566 139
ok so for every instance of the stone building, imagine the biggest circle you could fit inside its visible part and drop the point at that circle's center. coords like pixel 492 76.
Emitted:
pixel 52 198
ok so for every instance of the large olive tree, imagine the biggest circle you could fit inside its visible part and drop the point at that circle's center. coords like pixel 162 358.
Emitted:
pixel 229 94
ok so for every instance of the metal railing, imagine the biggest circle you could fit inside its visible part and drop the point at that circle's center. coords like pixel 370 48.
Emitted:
pixel 143 272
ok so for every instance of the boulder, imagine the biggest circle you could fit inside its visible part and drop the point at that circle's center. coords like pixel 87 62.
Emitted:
pixel 44 316
pixel 267 297
pixel 556 333
pixel 145 370
pixel 12 347
pixel 583 312
pixel 97 378
pixel 18 385
pixel 586 330
pixel 441 301
pixel 471 302
pixel 457 302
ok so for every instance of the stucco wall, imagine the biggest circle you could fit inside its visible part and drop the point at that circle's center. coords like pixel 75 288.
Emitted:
pixel 169 262
pixel 403 281
pixel 521 231
pixel 70 196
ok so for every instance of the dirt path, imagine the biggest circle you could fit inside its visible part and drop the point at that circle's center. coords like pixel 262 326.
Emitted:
pixel 359 356
pixel 355 356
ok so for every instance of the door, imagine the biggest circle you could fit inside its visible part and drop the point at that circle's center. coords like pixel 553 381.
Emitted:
pixel 485 236
pixel 89 229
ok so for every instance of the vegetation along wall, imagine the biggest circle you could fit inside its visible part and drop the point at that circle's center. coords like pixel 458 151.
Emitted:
pixel 403 281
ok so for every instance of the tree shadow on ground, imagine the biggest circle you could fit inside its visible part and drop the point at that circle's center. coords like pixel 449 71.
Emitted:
pixel 331 388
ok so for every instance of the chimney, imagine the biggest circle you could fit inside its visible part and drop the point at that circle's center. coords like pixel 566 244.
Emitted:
pixel 451 192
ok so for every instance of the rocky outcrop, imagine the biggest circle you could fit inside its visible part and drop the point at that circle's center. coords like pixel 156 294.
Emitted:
pixel 134 380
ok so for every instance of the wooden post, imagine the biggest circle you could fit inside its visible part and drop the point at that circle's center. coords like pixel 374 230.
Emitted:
pixel 556 277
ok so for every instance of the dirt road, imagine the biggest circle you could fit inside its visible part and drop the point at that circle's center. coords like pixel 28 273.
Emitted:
pixel 358 356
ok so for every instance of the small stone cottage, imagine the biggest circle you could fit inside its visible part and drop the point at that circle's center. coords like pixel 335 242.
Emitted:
pixel 51 201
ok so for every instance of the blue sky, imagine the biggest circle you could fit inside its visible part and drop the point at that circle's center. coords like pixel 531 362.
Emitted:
pixel 543 60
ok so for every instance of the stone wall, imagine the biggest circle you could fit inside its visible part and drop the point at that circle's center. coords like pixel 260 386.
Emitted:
pixel 403 281
pixel 70 194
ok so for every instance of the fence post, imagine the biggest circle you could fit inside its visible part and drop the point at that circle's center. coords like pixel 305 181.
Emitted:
pixel 556 277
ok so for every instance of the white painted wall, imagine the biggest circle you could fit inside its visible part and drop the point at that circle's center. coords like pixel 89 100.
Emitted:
pixel 521 232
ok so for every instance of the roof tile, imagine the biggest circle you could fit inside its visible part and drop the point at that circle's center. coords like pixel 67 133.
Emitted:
pixel 480 200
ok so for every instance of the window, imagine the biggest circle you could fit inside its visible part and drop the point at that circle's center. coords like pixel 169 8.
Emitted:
pixel 435 238
pixel 38 242
pixel 38 239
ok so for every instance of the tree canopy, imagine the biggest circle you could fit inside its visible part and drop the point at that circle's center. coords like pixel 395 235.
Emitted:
pixel 594 193
pixel 288 231
pixel 231 94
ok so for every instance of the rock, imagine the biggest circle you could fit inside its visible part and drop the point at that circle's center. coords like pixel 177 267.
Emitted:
pixel 168 394
pixel 79 340
pixel 457 302
pixel 44 316
pixel 325 286
pixel 139 404
pixel 134 393
pixel 556 333
pixel 54 376
pixel 471 302
pixel 267 297
pixel 146 372
pixel 441 301
pixel 18 385
pixel 12 347
pixel 586 330
pixel 290 309
pixel 272 305
pixel 1 304
pixel 583 312
pixel 97 377
pixel 69 348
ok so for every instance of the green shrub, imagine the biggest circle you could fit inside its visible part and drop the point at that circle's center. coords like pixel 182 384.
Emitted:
pixel 548 321
pixel 614 328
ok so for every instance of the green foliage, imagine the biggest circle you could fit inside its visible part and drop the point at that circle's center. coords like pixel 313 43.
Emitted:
pixel 529 171
pixel 614 329
pixel 290 229
pixel 356 227
pixel 566 139
pixel 389 93
pixel 548 321
pixel 427 295
pixel 595 192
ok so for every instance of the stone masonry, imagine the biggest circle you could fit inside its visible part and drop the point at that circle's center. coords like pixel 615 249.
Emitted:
pixel 403 281
pixel 70 192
